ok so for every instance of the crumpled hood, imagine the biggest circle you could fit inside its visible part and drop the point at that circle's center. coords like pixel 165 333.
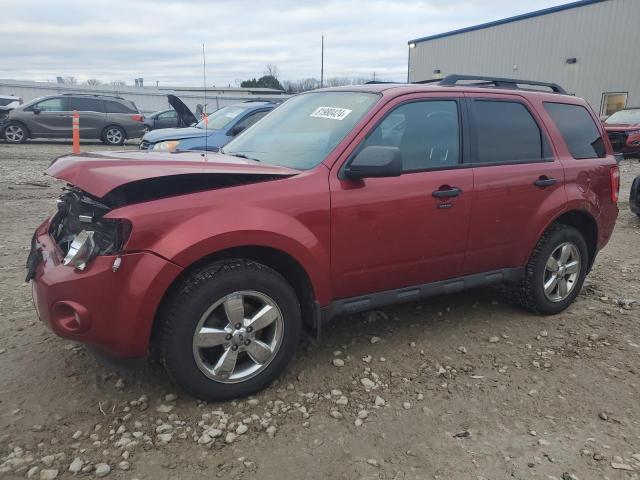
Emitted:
pixel 155 136
pixel 100 173
pixel 621 127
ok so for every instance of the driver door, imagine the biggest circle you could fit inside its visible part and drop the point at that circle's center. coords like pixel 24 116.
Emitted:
pixel 49 118
pixel 389 233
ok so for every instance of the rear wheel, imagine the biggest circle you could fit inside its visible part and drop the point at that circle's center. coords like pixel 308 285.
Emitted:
pixel 555 272
pixel 113 135
pixel 16 133
pixel 229 330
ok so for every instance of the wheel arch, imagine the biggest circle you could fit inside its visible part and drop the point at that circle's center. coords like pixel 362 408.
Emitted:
pixel 22 124
pixel 280 261
pixel 586 224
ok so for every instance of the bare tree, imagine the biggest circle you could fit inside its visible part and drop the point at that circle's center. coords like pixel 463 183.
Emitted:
pixel 93 82
pixel 272 71
pixel 118 83
pixel 70 80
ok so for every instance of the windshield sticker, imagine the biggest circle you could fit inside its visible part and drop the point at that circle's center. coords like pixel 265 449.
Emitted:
pixel 334 113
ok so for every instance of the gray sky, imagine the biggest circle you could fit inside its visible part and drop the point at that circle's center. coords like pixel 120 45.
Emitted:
pixel 161 39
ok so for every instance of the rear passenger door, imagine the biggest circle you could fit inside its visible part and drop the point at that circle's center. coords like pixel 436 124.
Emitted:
pixel 92 115
pixel 518 181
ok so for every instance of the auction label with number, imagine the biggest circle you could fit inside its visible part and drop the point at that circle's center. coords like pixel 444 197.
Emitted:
pixel 334 113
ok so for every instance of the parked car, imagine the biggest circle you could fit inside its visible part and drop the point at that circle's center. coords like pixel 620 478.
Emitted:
pixel 9 102
pixel 634 196
pixel 107 118
pixel 341 200
pixel 210 133
pixel 161 119
pixel 623 129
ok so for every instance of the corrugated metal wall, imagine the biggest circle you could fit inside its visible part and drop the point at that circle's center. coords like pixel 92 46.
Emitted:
pixel 603 37
pixel 147 99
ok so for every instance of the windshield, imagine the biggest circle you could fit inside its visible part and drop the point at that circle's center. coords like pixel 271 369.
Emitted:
pixel 221 118
pixel 302 131
pixel 625 116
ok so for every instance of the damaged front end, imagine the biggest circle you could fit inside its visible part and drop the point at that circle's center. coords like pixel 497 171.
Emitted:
pixel 81 231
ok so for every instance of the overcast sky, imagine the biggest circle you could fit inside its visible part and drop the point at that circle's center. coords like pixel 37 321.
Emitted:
pixel 161 40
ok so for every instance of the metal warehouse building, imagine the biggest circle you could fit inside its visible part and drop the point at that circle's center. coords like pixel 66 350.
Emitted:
pixel 590 47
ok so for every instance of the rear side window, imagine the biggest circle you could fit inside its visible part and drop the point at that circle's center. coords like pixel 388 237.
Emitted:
pixel 507 133
pixel 85 104
pixel 117 107
pixel 578 130
pixel 5 101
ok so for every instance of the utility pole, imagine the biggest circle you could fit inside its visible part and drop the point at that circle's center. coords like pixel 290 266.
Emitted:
pixel 374 76
pixel 322 63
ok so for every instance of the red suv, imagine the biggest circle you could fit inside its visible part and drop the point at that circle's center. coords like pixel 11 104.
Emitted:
pixel 339 201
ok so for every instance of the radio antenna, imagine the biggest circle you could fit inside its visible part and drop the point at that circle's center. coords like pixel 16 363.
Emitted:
pixel 204 110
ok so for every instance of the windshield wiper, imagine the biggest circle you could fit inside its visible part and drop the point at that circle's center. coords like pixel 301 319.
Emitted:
pixel 241 155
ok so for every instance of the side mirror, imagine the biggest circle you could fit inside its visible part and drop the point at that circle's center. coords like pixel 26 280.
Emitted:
pixel 375 161
pixel 236 130
pixel 36 110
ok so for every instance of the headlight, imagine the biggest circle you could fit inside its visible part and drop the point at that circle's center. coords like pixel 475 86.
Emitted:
pixel 169 146
pixel 81 250
pixel 107 238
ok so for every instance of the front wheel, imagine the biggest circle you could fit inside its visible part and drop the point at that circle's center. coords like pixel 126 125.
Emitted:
pixel 229 330
pixel 555 272
pixel 113 136
pixel 15 133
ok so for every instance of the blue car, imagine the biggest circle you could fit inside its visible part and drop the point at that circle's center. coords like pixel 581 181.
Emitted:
pixel 210 134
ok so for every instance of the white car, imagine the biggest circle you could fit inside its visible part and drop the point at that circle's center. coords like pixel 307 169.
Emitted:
pixel 9 102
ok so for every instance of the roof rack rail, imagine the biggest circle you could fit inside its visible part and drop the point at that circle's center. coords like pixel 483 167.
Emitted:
pixel 493 82
pixel 92 95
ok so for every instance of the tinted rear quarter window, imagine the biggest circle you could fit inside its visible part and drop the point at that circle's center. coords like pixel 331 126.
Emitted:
pixel 578 130
pixel 117 107
pixel 507 133
pixel 5 101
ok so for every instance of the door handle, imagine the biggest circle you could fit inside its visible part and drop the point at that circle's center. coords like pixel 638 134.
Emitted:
pixel 446 191
pixel 544 181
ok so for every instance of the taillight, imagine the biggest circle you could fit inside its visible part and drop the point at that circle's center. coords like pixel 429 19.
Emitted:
pixel 137 118
pixel 614 174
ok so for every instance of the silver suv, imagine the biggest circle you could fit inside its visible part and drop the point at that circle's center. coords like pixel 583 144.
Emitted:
pixel 110 119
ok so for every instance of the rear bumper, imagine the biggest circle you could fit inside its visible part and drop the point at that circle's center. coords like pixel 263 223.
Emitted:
pixel 111 311
pixel 634 196
pixel 607 222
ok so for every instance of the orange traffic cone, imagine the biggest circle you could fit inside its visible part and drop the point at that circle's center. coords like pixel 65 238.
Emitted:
pixel 76 132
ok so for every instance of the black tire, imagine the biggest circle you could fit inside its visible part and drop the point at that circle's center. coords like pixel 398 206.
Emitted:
pixel 113 135
pixel 16 132
pixel 530 291
pixel 634 196
pixel 195 296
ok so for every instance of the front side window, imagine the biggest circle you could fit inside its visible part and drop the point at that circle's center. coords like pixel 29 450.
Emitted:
pixel 85 104
pixel 303 130
pixel 250 120
pixel 578 129
pixel 507 133
pixel 168 115
pixel 50 105
pixel 427 134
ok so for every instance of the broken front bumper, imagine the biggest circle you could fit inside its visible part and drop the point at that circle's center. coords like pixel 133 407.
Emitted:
pixel 112 309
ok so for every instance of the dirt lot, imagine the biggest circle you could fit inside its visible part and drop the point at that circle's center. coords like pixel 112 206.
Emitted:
pixel 464 387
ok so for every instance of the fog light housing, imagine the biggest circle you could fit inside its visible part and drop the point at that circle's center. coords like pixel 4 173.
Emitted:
pixel 81 251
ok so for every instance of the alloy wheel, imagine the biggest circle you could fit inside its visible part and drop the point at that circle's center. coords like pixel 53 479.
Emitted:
pixel 14 133
pixel 114 136
pixel 238 336
pixel 561 272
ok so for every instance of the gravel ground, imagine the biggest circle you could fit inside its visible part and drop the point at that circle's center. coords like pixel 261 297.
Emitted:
pixel 457 387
